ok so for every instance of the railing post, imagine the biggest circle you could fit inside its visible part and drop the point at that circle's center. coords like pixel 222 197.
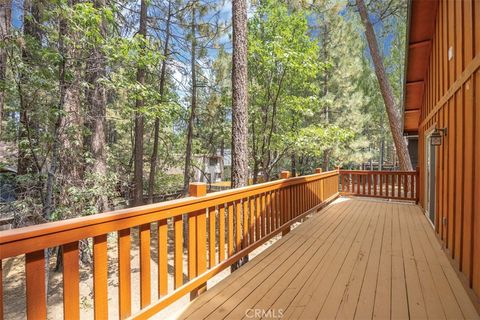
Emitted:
pixel 197 239
pixel 318 170
pixel 287 202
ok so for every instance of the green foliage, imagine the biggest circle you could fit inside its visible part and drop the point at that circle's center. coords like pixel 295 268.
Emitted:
pixel 313 97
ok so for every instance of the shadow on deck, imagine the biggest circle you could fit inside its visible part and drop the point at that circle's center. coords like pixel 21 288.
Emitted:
pixel 357 258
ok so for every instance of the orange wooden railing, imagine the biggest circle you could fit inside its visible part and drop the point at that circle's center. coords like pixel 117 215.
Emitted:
pixel 400 185
pixel 223 227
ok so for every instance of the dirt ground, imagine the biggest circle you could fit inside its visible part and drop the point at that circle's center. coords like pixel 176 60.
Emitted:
pixel 14 283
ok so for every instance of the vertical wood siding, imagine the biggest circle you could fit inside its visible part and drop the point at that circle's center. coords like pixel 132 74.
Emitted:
pixel 452 100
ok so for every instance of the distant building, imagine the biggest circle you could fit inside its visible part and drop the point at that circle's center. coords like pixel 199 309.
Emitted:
pixel 7 184
pixel 213 168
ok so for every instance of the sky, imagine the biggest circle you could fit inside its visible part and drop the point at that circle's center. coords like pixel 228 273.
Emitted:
pixel 182 63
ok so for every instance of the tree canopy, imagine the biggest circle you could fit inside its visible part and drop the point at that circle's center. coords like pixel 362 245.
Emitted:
pixel 78 76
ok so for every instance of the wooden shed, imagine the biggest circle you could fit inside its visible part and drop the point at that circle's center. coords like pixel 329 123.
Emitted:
pixel 442 107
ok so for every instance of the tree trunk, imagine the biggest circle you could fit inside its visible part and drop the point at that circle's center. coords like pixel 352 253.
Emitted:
pixel 31 29
pixel 5 20
pixel 54 160
pixel 97 103
pixel 163 73
pixel 293 164
pixel 70 135
pixel 386 90
pixel 239 101
pixel 326 160
pixel 239 95
pixel 139 120
pixel 191 119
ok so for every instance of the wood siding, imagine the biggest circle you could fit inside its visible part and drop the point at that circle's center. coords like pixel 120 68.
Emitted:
pixel 452 100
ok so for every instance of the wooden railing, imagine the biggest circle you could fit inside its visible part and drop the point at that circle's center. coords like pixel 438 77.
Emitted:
pixel 223 227
pixel 400 185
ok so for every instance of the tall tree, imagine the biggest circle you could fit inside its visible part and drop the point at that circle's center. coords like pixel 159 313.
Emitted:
pixel 386 89
pixel 32 16
pixel 139 118
pixel 97 104
pixel 163 79
pixel 193 106
pixel 5 20
pixel 239 95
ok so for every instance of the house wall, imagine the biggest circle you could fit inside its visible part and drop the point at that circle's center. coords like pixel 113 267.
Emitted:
pixel 452 100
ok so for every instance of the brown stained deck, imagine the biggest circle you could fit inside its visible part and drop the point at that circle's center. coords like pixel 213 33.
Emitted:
pixel 358 258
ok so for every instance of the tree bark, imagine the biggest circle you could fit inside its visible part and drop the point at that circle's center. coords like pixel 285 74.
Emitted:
pixel 163 73
pixel 5 21
pixel 96 119
pixel 139 120
pixel 386 90
pixel 191 119
pixel 239 95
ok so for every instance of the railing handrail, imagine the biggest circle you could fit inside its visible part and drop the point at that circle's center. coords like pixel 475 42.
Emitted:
pixel 377 171
pixel 12 242
pixel 399 185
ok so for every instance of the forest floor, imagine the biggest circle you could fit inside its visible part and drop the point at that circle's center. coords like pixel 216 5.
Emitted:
pixel 14 284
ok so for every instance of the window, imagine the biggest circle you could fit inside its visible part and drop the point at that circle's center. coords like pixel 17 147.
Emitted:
pixel 213 161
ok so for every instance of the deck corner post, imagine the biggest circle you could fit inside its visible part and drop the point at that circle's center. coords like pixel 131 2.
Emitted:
pixel 284 174
pixel 197 239
pixel 417 185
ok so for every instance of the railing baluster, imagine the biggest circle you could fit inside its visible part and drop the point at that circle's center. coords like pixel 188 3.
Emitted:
pixel 145 281
pixel 212 243
pixel 201 247
pixel 178 251
pixel 124 280
pixel 230 229
pixel 383 179
pixel 100 277
pixel 359 180
pixel 405 185
pixel 162 257
pixel 262 215
pixel 245 222
pixel 35 282
pixel 387 184
pixel 394 176
pixel 71 277
pixel 412 187
pixel 268 212
pixel 258 218
pixel 192 242
pixel 221 233
pixel 251 202
pixel 297 203
pixel 364 178
pixel 238 226
pixel 274 209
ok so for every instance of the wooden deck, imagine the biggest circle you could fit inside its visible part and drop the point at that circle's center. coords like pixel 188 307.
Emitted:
pixel 357 258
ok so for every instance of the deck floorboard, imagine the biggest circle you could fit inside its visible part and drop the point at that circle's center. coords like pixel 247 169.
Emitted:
pixel 356 259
